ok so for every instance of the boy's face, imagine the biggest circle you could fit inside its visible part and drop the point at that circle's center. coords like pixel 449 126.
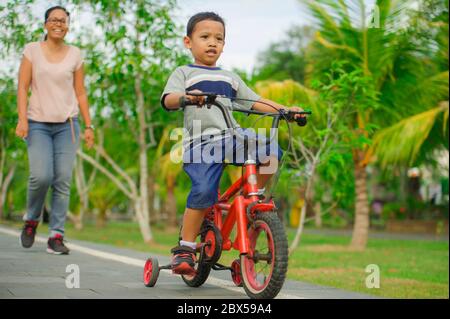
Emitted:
pixel 206 42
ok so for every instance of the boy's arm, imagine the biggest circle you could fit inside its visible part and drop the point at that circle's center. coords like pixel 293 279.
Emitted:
pixel 172 100
pixel 260 106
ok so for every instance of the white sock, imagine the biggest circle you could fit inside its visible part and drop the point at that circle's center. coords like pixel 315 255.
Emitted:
pixel 193 245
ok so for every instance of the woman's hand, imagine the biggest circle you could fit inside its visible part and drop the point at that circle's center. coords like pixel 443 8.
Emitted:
pixel 22 129
pixel 89 137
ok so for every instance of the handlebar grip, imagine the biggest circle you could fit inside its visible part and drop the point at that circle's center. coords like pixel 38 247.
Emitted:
pixel 184 101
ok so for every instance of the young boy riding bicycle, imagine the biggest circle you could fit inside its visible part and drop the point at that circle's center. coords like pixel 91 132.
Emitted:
pixel 205 38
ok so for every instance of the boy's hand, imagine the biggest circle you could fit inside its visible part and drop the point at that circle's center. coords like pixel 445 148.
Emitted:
pixel 199 100
pixel 296 109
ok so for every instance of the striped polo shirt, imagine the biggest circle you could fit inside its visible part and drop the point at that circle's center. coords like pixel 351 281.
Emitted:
pixel 212 80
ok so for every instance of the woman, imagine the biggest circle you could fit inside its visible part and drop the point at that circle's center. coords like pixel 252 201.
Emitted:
pixel 48 122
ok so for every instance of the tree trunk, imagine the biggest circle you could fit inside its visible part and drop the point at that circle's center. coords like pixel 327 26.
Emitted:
pixel 4 188
pixel 151 198
pixel 143 162
pixel 144 225
pixel 361 225
pixel 100 221
pixel 308 201
pixel 132 193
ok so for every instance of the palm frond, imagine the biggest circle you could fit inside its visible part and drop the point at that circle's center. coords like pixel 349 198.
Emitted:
pixel 330 45
pixel 323 17
pixel 401 143
pixel 289 92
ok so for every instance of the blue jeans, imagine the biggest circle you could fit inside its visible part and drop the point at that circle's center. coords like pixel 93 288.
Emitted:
pixel 52 149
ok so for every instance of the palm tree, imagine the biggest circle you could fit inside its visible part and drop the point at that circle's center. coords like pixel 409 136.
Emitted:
pixel 401 71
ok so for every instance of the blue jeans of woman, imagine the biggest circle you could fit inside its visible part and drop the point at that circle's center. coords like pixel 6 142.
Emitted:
pixel 52 149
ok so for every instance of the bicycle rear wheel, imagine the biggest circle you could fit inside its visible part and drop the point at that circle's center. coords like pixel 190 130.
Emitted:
pixel 264 273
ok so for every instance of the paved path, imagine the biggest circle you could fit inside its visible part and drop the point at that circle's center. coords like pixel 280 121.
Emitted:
pixel 110 272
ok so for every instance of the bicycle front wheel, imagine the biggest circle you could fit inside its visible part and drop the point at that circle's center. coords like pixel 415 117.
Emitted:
pixel 263 273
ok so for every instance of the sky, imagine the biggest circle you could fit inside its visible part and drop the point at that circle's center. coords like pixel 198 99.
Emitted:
pixel 251 25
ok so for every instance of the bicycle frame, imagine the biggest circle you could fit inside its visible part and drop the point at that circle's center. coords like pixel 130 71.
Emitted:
pixel 240 210
pixel 243 207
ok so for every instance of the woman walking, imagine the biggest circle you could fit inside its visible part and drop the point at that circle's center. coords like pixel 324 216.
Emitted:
pixel 49 124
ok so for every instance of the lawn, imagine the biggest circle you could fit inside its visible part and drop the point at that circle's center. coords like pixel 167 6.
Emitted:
pixel 408 268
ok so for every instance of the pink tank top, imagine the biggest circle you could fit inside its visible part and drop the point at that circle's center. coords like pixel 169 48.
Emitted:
pixel 53 96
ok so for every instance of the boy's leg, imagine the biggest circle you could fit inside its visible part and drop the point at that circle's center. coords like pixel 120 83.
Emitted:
pixel 205 182
pixel 184 255
pixel 192 222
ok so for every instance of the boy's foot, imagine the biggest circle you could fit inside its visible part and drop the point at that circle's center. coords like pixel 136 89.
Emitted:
pixel 183 260
pixel 28 233
pixel 55 245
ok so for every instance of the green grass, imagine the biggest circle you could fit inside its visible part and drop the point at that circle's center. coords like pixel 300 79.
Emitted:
pixel 409 268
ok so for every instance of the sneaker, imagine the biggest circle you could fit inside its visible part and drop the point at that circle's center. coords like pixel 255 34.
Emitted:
pixel 55 245
pixel 183 260
pixel 28 233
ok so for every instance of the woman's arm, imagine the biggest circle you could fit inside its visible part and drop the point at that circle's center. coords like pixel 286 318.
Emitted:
pixel 22 97
pixel 80 92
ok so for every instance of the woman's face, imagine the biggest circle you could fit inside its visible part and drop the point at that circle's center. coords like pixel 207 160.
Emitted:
pixel 57 24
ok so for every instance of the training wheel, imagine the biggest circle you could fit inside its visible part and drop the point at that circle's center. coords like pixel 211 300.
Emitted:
pixel 236 272
pixel 151 272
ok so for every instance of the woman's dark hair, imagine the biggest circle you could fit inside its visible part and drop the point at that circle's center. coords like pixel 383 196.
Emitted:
pixel 202 16
pixel 49 10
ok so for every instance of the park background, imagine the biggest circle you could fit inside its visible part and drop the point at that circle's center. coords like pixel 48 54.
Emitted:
pixel 365 182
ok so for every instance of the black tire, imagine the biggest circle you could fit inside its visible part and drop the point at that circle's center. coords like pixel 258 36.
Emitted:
pixel 198 279
pixel 270 224
pixel 203 267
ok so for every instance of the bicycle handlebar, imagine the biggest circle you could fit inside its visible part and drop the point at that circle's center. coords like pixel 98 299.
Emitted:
pixel 211 99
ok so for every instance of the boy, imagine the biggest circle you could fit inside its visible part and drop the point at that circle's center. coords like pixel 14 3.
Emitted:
pixel 205 37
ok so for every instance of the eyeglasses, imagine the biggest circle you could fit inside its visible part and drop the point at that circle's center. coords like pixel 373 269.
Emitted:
pixel 55 21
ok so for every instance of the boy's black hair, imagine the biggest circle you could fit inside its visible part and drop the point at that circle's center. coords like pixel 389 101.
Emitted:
pixel 202 16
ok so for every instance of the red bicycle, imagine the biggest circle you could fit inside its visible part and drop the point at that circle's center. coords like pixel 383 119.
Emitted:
pixel 260 235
